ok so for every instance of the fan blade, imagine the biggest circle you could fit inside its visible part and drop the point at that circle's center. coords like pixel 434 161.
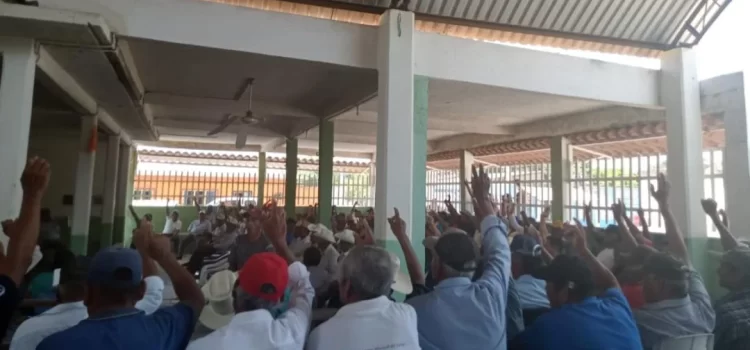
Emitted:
pixel 228 120
pixel 241 137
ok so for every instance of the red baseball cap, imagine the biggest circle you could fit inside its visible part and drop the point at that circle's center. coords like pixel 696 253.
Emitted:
pixel 265 275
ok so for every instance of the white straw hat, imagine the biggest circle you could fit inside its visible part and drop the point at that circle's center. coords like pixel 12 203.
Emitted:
pixel 323 232
pixel 401 281
pixel 346 235
pixel 218 293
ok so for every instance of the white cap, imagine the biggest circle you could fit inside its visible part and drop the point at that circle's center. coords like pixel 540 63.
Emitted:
pixel 346 235
pixel 323 232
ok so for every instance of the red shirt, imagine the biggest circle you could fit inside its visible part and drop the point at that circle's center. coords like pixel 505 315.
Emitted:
pixel 634 294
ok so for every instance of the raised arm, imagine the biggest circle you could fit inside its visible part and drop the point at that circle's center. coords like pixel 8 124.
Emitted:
pixel 24 232
pixel 628 242
pixel 603 278
pixel 644 224
pixel 398 227
pixel 166 209
pixel 187 290
pixel 153 296
pixel 494 235
pixel 675 239
pixel 728 241
pixel 587 210
pixel 274 225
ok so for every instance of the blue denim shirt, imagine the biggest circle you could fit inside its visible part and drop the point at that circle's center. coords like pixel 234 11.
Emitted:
pixel 461 314
pixel 533 292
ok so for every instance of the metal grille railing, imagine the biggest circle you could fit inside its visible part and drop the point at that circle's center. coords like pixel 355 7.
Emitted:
pixel 440 185
pixel 605 180
pixel 349 188
pixel 535 190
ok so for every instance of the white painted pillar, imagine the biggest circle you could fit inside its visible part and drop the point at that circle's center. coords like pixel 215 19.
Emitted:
pixel 125 178
pixel 394 155
pixel 16 94
pixel 464 174
pixel 561 156
pixel 83 187
pixel 680 96
pixel 110 190
pixel 737 160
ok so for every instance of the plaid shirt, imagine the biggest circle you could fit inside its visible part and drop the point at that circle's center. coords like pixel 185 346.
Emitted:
pixel 733 321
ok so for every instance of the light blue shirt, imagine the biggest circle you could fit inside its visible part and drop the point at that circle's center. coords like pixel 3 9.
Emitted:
pixel 533 292
pixel 197 227
pixel 61 317
pixel 461 314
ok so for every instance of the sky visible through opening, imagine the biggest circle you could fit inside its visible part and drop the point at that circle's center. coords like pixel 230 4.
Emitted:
pixel 723 50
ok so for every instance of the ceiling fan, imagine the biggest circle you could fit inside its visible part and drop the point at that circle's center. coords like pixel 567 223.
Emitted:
pixel 243 122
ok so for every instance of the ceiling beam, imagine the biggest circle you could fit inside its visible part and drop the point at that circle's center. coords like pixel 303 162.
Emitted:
pixel 184 124
pixel 370 128
pixel 599 119
pixel 223 106
pixel 199 145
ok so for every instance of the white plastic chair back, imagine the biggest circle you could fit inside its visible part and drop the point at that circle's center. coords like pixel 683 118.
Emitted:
pixel 688 342
pixel 209 269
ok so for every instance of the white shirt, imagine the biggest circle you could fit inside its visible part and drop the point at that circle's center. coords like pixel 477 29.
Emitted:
pixel 370 324
pixel 259 330
pixel 329 261
pixel 198 227
pixel 607 258
pixel 61 317
pixel 318 277
pixel 171 226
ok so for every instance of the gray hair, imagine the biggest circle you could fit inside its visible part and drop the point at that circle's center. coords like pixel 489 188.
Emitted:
pixel 369 270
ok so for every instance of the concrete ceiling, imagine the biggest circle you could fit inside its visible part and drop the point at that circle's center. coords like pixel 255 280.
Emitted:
pixel 189 90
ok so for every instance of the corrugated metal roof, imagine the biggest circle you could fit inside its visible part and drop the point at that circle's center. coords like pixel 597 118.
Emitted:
pixel 628 27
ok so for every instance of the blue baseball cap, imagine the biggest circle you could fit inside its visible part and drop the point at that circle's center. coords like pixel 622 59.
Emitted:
pixel 525 245
pixel 116 267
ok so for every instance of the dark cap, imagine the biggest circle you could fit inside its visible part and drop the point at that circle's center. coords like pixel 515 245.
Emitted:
pixel 567 270
pixel 116 267
pixel 525 245
pixel 458 251
pixel 666 267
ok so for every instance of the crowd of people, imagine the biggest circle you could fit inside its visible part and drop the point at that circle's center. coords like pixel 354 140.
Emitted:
pixel 493 279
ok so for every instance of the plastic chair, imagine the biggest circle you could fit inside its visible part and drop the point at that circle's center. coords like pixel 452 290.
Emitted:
pixel 209 269
pixel 688 342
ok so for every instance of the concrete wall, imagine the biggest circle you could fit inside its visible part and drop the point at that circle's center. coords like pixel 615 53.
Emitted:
pixel 60 148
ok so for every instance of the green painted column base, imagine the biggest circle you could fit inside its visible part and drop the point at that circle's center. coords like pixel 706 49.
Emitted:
pixel 118 228
pixel 79 244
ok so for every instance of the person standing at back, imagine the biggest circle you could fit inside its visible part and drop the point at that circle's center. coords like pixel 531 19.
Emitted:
pixel 114 285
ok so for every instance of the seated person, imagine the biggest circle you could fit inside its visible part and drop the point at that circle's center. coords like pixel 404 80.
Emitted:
pixel 578 319
pixel 677 303
pixel 198 229
pixel 526 258
pixel 733 311
pixel 367 274
pixel 71 309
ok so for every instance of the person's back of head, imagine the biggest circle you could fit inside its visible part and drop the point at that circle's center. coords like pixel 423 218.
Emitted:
pixel 454 254
pixel 73 273
pixel 664 277
pixel 367 272
pixel 114 280
pixel 311 257
pixel 569 280
pixel 261 283
pixel 733 272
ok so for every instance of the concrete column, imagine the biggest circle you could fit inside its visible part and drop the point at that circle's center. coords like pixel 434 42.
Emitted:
pixel 83 187
pixel 372 180
pixel 290 195
pixel 464 174
pixel 325 171
pixel 123 223
pixel 402 121
pixel 16 94
pixel 737 159
pixel 561 154
pixel 109 197
pixel 261 178
pixel 680 95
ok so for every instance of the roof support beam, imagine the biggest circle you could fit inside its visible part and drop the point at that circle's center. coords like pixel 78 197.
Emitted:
pixel 370 128
pixel 62 84
pixel 266 32
pixel 444 57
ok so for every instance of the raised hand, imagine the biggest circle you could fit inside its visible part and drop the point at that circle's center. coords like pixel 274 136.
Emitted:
pixel 709 206
pixel 274 224
pixel 398 225
pixel 724 218
pixel 364 234
pixel 618 210
pixel 35 177
pixel 661 194
pixel 580 239
pixel 159 246
pixel 480 188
